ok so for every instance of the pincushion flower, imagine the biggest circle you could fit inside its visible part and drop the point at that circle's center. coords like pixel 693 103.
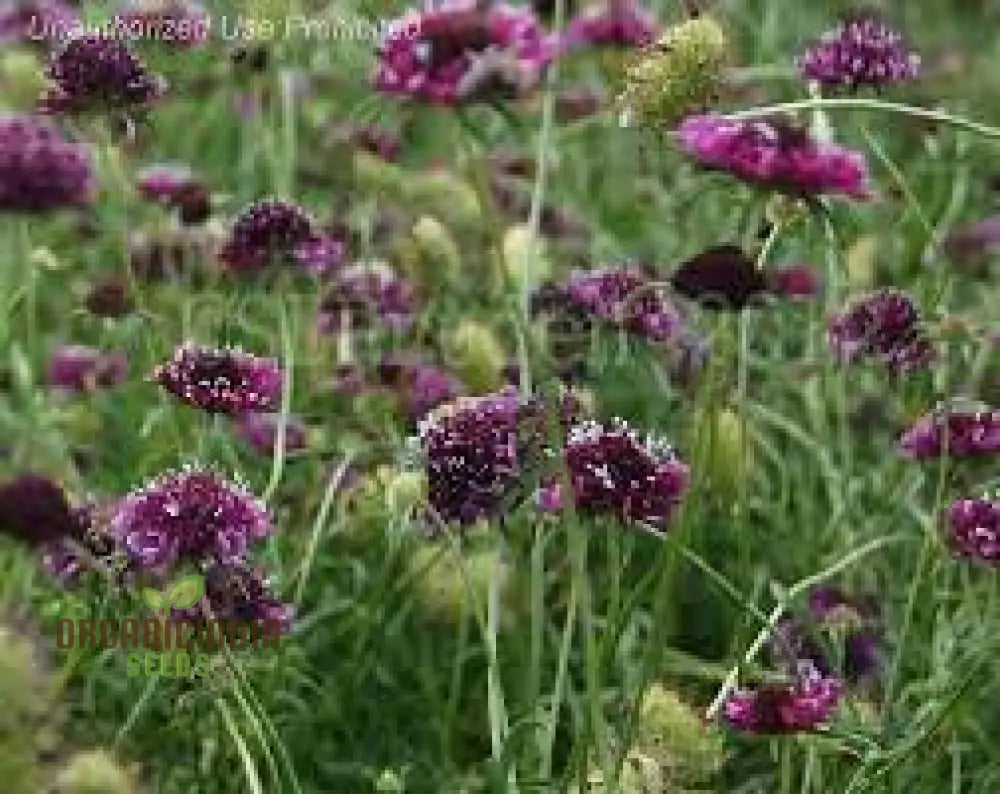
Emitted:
pixel 721 277
pixel 273 231
pixel 617 23
pixel 803 704
pixel 860 51
pixel 79 368
pixel 223 381
pixel 260 431
pixel 885 325
pixel 612 470
pixel 961 432
pixel 40 170
pixel 433 55
pixel 365 295
pixel 421 386
pixel 192 515
pixel 96 73
pixel 35 510
pixel 775 155
pixel 164 182
pixel 973 527
pixel 236 592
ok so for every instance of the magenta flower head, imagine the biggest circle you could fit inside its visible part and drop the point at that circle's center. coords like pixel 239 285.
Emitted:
pixel 365 295
pixel 40 170
pixel 176 23
pixel 164 182
pixel 96 73
pixel 974 529
pixel 774 154
pixel 885 325
pixel 191 515
pixel 274 231
pixel 260 431
pixel 618 23
pixel 235 592
pixel 34 510
pixel 81 369
pixel 803 704
pixel 36 21
pixel 794 282
pixel 421 386
pixel 957 430
pixel 627 298
pixel 225 381
pixel 860 51
pixel 445 54
pixel 612 470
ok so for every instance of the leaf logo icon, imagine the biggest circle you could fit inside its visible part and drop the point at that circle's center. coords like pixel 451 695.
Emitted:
pixel 154 599
pixel 183 594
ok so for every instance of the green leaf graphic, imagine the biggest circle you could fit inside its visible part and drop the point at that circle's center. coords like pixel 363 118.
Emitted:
pixel 187 591
pixel 154 599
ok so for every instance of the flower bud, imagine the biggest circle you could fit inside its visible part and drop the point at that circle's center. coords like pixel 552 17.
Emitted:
pixel 445 196
pixel 95 772
pixel 21 79
pixel 438 256
pixel 453 583
pixel 525 257
pixel 477 356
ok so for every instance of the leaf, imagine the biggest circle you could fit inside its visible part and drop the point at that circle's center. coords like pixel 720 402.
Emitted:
pixel 186 591
pixel 154 599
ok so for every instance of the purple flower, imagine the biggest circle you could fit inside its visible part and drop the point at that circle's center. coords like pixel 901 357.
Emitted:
pixel 235 592
pixel 884 325
pixel 434 55
pixel 175 22
pixel 367 294
pixel 40 170
pixel 24 21
pixel 962 433
pixel 275 230
pixel 618 23
pixel 96 72
pixel 627 298
pixel 194 515
pixel 260 431
pixel 109 299
pixel 774 154
pixel 860 51
pixel 420 386
pixel 612 470
pixel 974 529
pixel 164 182
pixel 802 704
pixel 81 369
pixel 221 380
pixel 34 510
pixel 794 281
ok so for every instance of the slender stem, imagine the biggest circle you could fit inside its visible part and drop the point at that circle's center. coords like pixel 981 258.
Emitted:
pixel 861 103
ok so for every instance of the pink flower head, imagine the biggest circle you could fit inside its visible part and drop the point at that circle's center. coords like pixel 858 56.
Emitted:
pixel 974 529
pixel 619 23
pixel 774 154
pixel 627 298
pixel 223 381
pixel 164 182
pixel 961 432
pixel 885 325
pixel 23 21
pixel 175 22
pixel 367 294
pixel 434 55
pixel 79 368
pixel 792 707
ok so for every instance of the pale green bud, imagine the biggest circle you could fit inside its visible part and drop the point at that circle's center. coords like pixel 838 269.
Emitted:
pixel 525 257
pixel 438 256
pixel 477 356
pixel 95 772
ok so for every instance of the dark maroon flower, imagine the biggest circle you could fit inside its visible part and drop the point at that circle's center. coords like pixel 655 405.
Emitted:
pixel 611 470
pixel 235 592
pixel 31 21
pixel 627 298
pixel 221 380
pixel 80 369
pixel 802 704
pixel 617 23
pixel 722 277
pixel 367 294
pixel 194 204
pixel 34 510
pixel 884 325
pixel 974 529
pixel 958 431
pixel 274 230
pixel 860 51
pixel 109 299
pixel 40 170
pixel 794 281
pixel 774 154
pixel 260 431
pixel 193 515
pixel 96 72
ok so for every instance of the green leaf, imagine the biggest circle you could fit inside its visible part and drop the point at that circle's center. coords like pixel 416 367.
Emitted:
pixel 154 599
pixel 187 591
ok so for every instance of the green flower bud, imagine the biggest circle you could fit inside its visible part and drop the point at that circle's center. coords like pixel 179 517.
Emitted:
pixel 21 79
pixel 439 258
pixel 859 262
pixel 403 490
pixel 374 175
pixel 525 257
pixel 679 75
pixel 477 356
pixel 454 583
pixel 445 196
pixel 95 772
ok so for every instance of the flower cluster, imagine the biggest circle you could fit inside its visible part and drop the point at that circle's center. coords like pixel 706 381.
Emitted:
pixel 273 230
pixel 774 154
pixel 223 381
pixel 367 294
pixel 23 21
pixel 444 55
pixel 40 170
pixel 802 704
pixel 961 433
pixel 858 52
pixel 236 592
pixel 619 23
pixel 885 325
pixel 974 529
pixel 79 368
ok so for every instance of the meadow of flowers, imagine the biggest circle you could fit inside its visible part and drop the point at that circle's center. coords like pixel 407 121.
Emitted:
pixel 589 397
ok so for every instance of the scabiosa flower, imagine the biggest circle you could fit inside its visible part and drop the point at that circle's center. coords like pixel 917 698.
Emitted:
pixel 720 277
pixel 223 381
pixel 96 72
pixel 433 55
pixel 175 22
pixel 420 386
pixel 885 325
pixel 273 229
pixel 797 281
pixel 860 51
pixel 627 298
pixel 791 707
pixel 79 368
pixel 366 294
pixel 612 470
pixel 40 170
pixel 974 529
pixel 109 299
pixel 193 514
pixel 164 182
pixel 774 154
pixel 23 21
pixel 260 431
pixel 617 23
pixel 235 592
pixel 961 432
pixel 33 509
pixel 90 545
